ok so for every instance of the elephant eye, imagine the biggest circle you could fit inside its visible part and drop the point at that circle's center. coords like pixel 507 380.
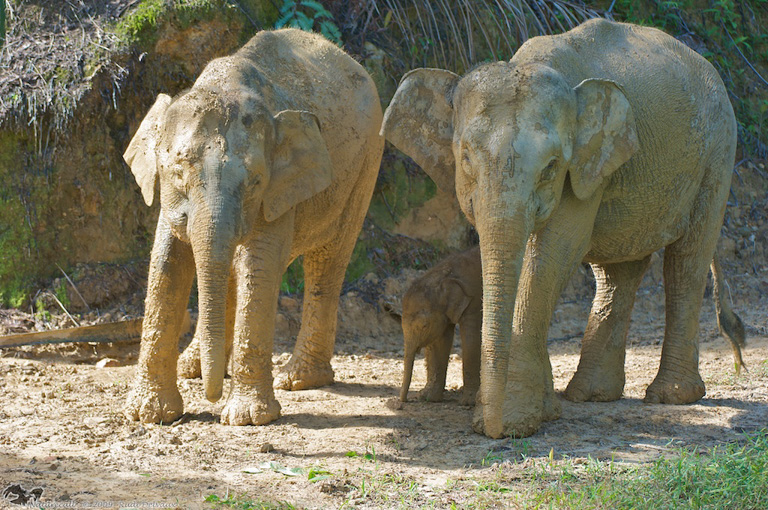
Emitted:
pixel 549 171
pixel 466 165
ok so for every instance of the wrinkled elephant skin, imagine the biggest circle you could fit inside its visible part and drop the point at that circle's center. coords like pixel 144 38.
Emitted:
pixel 603 144
pixel 273 153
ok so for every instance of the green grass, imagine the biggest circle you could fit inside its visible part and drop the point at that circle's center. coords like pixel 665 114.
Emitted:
pixel 734 475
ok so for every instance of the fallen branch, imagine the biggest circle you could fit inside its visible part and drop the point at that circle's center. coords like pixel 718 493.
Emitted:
pixel 113 332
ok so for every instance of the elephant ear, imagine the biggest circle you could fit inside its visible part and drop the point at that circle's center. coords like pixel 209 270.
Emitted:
pixel 301 165
pixel 419 122
pixel 456 299
pixel 140 154
pixel 606 135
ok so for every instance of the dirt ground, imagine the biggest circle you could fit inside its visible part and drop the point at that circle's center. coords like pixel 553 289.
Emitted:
pixel 62 430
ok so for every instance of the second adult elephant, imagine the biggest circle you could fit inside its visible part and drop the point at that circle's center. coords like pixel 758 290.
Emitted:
pixel 603 144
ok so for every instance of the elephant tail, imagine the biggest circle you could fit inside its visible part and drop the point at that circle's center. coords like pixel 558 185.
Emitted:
pixel 730 324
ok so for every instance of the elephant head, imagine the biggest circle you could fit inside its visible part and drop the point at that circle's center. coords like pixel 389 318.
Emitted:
pixel 510 140
pixel 226 166
pixel 432 307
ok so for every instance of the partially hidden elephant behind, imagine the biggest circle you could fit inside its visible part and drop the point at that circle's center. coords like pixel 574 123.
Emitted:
pixel 273 153
pixel 448 294
pixel 603 144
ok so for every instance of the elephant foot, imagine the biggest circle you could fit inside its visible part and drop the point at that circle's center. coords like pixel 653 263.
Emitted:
pixel 602 386
pixel 149 405
pixel 188 365
pixel 431 394
pixel 523 412
pixel 468 396
pixel 518 425
pixel 674 390
pixel 249 407
pixel 552 409
pixel 298 374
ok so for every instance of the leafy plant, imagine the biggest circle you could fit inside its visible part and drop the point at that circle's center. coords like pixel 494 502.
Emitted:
pixel 2 23
pixel 245 503
pixel 309 15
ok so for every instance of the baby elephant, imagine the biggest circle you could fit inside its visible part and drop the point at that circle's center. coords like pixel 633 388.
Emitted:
pixel 448 294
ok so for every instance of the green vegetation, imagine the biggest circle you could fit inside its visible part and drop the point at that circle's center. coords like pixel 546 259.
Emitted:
pixel 309 15
pixel 243 503
pixel 399 189
pixel 141 26
pixel 2 22
pixel 457 35
pixel 734 475
pixel 20 192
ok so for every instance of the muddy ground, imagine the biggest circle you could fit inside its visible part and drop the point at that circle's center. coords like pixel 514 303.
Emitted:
pixel 62 430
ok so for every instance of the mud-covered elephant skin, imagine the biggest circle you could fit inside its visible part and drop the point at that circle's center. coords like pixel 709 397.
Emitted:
pixel 603 144
pixel 273 153
pixel 448 294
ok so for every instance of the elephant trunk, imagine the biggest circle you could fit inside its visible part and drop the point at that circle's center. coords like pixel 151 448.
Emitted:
pixel 410 354
pixel 213 248
pixel 503 238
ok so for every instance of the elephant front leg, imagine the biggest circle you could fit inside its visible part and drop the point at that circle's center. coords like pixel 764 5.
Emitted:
pixel 600 376
pixel 258 275
pixel 551 256
pixel 189 362
pixel 154 397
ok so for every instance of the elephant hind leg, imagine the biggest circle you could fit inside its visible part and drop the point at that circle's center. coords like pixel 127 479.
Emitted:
pixel 685 275
pixel 310 363
pixel 686 263
pixel 600 376
pixel 437 355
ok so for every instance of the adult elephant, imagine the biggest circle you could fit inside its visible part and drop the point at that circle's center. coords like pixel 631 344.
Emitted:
pixel 603 144
pixel 273 153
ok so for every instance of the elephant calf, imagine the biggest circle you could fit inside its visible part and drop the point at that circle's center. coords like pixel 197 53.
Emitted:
pixel 448 294
pixel 273 153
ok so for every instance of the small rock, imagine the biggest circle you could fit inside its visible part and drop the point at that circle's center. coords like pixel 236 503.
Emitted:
pixel 94 421
pixel 175 440
pixel 107 362
pixel 266 448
